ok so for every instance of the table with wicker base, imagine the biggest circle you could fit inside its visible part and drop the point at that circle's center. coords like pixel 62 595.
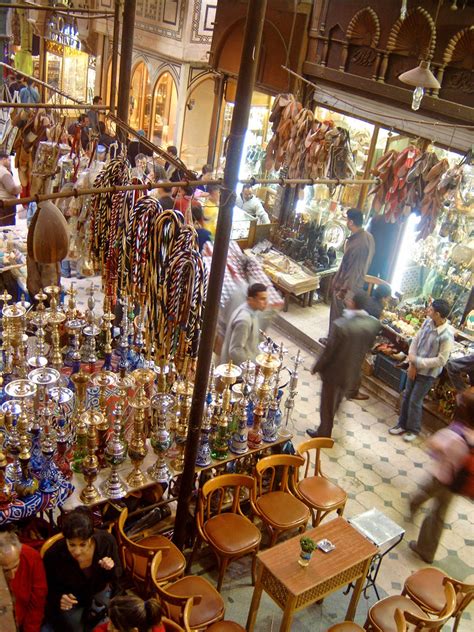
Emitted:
pixel 293 588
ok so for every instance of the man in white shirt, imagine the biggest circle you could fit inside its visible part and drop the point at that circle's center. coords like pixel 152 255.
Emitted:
pixel 428 354
pixel 248 202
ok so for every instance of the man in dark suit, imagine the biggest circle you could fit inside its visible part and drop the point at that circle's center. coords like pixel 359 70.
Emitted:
pixel 339 366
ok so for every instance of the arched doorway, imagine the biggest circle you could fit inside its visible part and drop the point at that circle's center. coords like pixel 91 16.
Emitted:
pixel 109 81
pixel 165 98
pixel 197 124
pixel 140 98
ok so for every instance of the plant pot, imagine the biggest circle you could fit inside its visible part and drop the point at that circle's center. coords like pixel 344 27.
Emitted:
pixel 305 558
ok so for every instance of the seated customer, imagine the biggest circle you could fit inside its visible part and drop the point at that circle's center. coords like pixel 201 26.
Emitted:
pixel 378 301
pixel 82 571
pixel 24 572
pixel 131 614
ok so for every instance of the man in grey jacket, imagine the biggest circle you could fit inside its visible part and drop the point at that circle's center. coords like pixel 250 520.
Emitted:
pixel 339 366
pixel 242 333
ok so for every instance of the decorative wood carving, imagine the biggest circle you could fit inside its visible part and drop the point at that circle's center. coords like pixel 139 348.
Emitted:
pixel 460 50
pixel 364 28
pixel 415 36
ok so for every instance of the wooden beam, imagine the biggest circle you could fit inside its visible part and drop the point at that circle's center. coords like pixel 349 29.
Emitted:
pixel 439 107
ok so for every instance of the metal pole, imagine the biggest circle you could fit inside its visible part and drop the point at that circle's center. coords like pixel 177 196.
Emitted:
pixel 115 48
pixel 245 84
pixel 128 26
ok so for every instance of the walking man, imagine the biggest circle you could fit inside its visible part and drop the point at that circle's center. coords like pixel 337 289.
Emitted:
pixel 449 448
pixel 428 353
pixel 242 333
pixel 339 366
pixel 358 254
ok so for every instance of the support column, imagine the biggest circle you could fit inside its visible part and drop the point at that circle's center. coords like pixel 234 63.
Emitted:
pixel 245 85
pixel 128 27
pixel 181 104
pixel 115 48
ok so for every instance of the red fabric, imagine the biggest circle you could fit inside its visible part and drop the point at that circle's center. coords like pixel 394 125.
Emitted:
pixel 103 627
pixel 29 589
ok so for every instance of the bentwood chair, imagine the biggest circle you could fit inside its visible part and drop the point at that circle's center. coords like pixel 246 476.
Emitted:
pixel 228 532
pixel 426 588
pixel 137 554
pixel 386 614
pixel 318 492
pixel 192 590
pixel 276 504
pixel 345 626
pixel 49 543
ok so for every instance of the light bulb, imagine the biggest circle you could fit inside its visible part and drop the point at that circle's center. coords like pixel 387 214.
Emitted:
pixel 403 9
pixel 417 96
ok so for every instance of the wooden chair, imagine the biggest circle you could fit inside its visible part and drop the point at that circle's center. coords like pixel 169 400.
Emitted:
pixel 219 626
pixel 373 281
pixel 280 510
pixel 345 626
pixel 49 543
pixel 137 554
pixel 227 530
pixel 426 588
pixel 192 590
pixel 317 491
pixel 383 616
pixel 171 626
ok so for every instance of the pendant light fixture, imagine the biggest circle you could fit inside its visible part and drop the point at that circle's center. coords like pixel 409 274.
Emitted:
pixel 423 79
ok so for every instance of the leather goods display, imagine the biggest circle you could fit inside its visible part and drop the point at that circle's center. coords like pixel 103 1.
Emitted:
pixel 413 180
pixel 310 148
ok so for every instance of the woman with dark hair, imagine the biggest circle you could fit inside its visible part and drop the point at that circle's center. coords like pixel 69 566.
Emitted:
pixel 82 570
pixel 131 614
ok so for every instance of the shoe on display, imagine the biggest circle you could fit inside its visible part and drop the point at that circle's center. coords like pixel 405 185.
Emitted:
pixel 414 548
pixel 359 396
pixel 397 430
pixel 410 436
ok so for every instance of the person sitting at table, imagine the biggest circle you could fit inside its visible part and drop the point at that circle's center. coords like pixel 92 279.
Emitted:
pixel 129 613
pixel 82 572
pixel 26 579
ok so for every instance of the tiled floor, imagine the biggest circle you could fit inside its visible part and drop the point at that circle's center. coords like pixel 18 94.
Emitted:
pixel 377 470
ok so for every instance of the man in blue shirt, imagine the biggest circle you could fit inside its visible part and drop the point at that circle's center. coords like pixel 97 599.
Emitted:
pixel 428 354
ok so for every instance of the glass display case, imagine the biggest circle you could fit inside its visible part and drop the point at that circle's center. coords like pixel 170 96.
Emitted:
pixel 241 224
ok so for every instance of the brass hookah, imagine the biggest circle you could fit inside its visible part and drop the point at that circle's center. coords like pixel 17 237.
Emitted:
pixel 6 347
pixel 74 326
pixel 90 467
pixel 56 318
pixel 239 442
pixel 272 421
pixel 184 392
pixel 80 381
pixel 104 380
pixel 7 494
pixel 107 318
pixel 203 458
pixel 26 484
pixel 284 433
pixel 39 318
pixel 267 365
pixel 90 331
pixel 116 450
pixel 228 374
pixel 14 333
pixel 137 448
pixel 161 403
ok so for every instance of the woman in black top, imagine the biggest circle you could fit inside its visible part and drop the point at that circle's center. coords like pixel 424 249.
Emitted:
pixel 82 571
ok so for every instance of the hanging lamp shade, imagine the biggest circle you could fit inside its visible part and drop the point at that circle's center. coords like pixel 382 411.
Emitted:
pixel 421 76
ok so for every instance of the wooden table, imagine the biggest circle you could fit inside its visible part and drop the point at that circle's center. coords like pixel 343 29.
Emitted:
pixel 294 588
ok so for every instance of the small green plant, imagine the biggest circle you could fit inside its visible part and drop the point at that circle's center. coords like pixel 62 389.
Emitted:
pixel 308 545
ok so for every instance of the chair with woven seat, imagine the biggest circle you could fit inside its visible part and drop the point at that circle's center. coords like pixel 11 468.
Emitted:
pixel 386 614
pixel 137 554
pixel 318 492
pixel 207 604
pixel 276 503
pixel 426 588
pixel 226 529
